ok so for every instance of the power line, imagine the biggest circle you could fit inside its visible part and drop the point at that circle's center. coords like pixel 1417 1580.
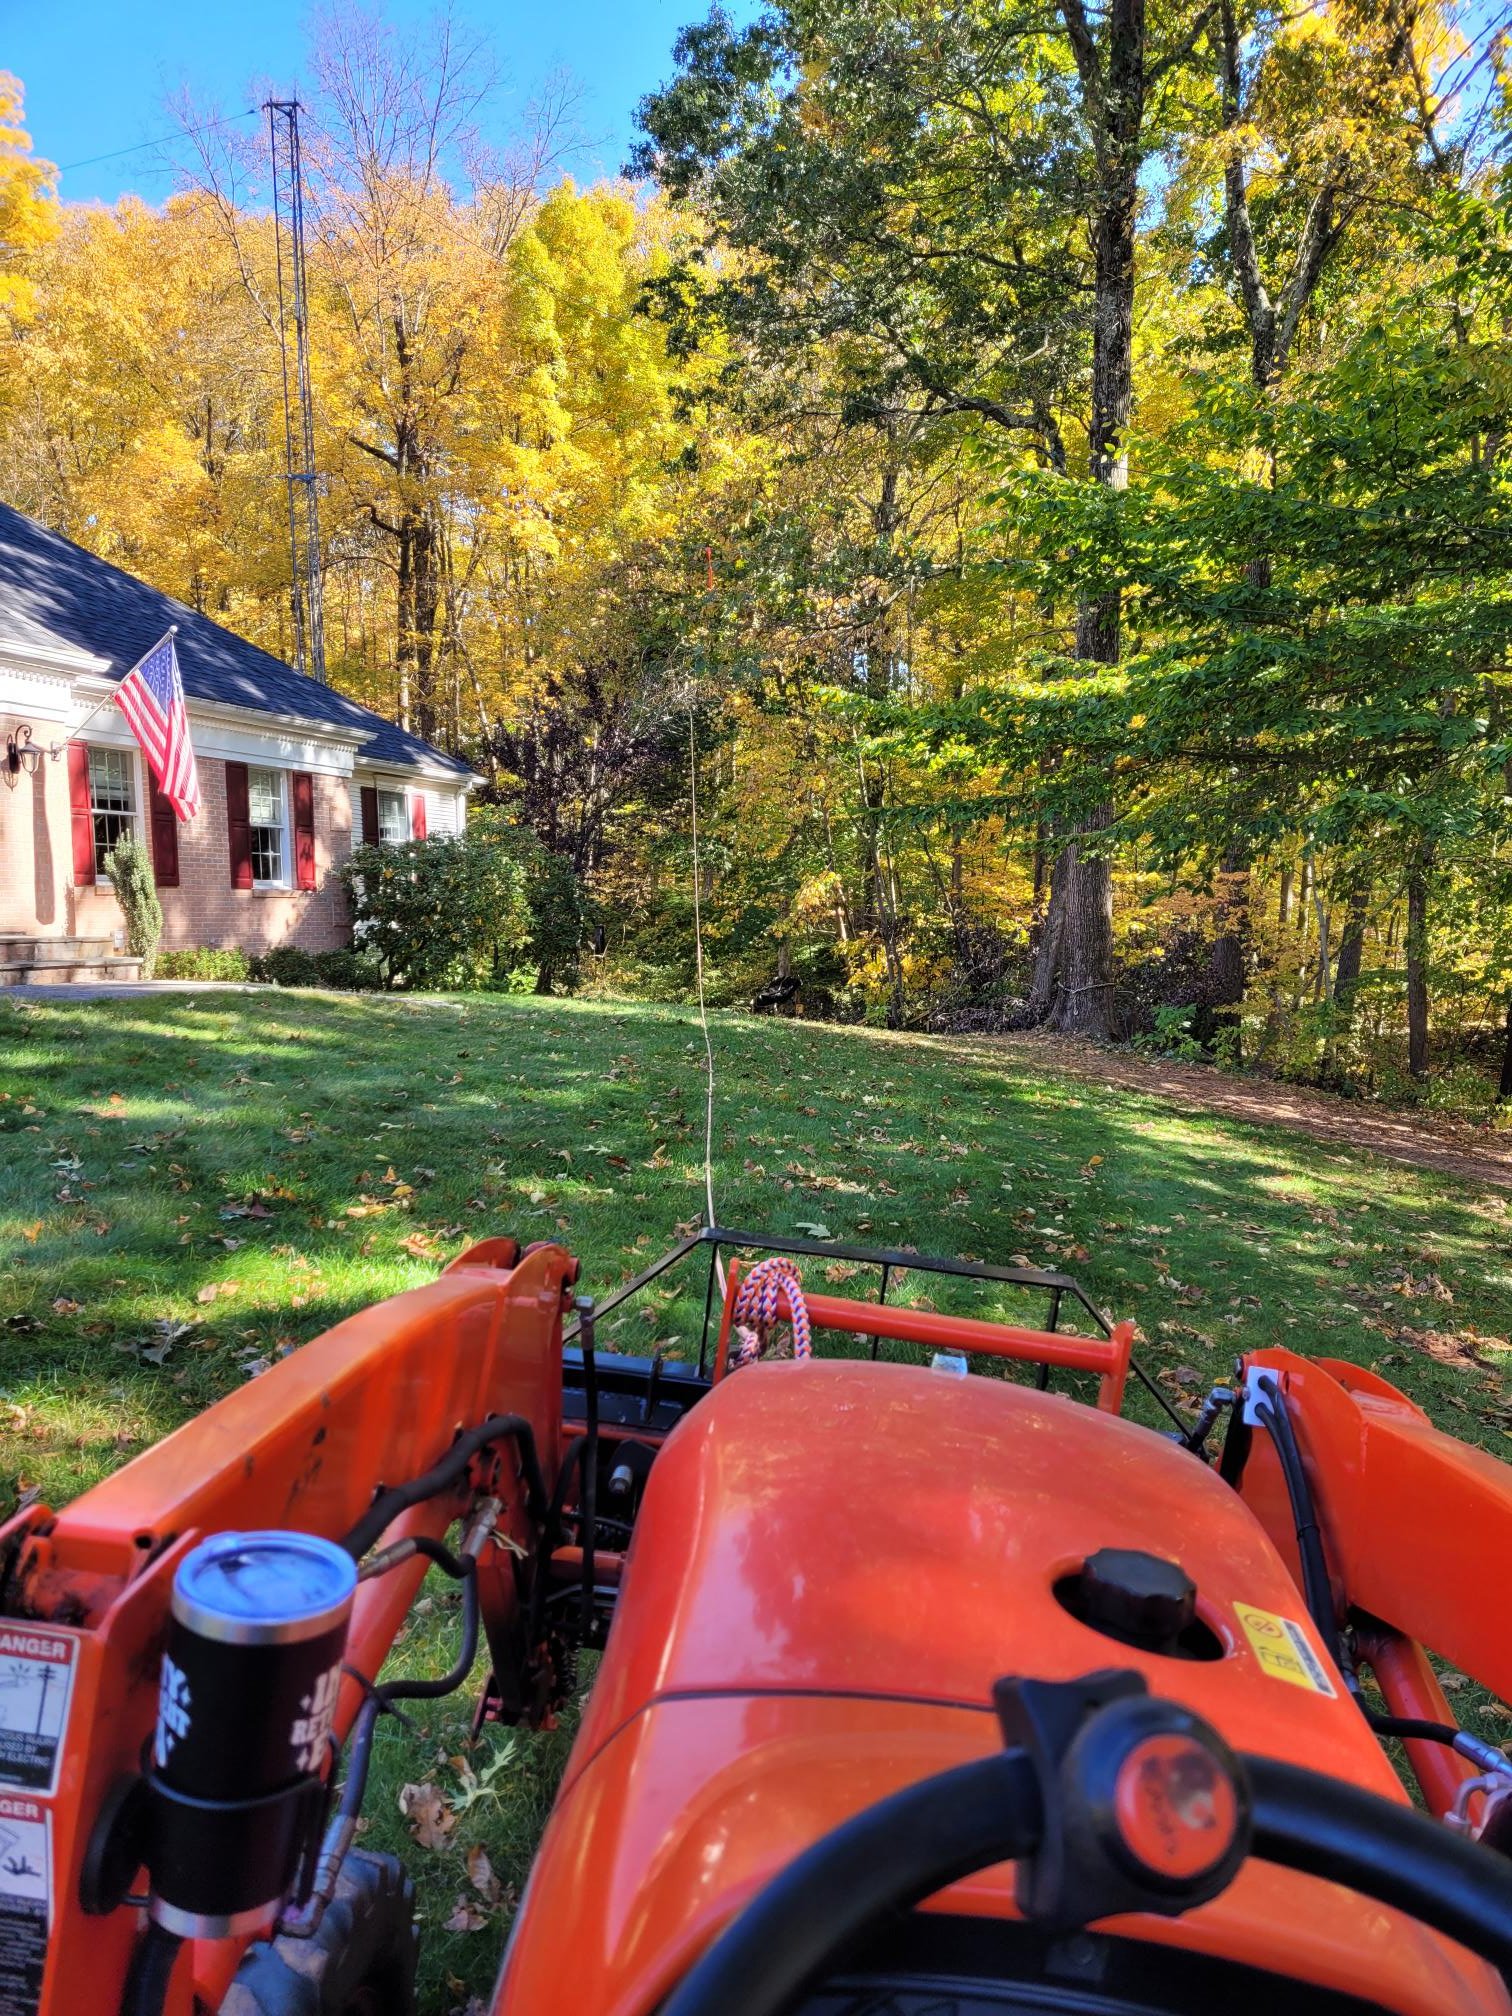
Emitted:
pixel 68 167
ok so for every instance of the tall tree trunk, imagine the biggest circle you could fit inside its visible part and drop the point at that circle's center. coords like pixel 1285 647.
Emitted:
pixel 1113 93
pixel 1417 959
pixel 1225 976
pixel 1351 950
pixel 1047 957
pixel 1504 1090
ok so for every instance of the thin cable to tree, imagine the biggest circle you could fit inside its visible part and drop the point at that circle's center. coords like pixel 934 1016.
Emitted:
pixel 703 1012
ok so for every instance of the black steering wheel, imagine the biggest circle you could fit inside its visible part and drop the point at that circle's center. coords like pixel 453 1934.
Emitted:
pixel 1063 1803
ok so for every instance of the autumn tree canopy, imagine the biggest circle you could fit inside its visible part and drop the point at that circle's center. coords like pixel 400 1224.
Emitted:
pixel 1046 466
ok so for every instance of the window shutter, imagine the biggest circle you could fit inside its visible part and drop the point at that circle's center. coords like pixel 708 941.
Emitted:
pixel 83 818
pixel 417 816
pixel 370 815
pixel 304 829
pixel 239 825
pixel 163 821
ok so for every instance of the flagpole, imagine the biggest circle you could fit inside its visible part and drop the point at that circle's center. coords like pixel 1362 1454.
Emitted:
pixel 56 749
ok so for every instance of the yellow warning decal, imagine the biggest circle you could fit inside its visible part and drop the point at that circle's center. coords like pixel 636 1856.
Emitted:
pixel 1283 1649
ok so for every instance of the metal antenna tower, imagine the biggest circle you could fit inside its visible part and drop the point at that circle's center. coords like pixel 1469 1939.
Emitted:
pixel 299 412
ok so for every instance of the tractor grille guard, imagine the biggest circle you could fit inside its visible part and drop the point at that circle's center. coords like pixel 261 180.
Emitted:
pixel 675 1383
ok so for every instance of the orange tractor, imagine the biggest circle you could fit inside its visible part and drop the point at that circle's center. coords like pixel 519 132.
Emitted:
pixel 924 1691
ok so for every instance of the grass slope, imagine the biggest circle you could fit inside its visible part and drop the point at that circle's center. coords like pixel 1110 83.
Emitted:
pixel 258 1166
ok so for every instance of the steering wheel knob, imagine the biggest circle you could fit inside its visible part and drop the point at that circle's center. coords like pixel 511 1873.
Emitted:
pixel 1175 1808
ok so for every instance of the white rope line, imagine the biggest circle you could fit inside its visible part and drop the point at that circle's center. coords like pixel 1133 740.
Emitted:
pixel 703 1012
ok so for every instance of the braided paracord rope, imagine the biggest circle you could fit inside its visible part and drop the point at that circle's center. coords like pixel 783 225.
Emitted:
pixel 756 1303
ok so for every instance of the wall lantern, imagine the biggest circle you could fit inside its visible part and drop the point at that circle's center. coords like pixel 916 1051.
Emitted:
pixel 21 753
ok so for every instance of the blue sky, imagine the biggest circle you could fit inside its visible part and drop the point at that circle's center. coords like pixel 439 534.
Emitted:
pixel 97 72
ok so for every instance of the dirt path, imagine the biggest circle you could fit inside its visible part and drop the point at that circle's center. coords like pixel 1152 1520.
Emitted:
pixel 1450 1148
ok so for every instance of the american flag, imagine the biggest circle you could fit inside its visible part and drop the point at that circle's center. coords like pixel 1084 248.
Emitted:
pixel 151 696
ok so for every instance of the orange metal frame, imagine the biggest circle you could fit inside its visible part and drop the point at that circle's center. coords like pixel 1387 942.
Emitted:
pixel 376 1401
pixel 1417 1530
pixel 1106 1358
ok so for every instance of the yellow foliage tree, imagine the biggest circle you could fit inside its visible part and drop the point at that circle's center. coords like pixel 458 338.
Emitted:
pixel 28 213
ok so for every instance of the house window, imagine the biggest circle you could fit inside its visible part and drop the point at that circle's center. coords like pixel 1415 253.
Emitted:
pixel 393 818
pixel 112 800
pixel 269 822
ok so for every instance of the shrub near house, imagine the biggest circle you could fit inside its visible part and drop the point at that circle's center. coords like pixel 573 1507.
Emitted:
pixel 440 913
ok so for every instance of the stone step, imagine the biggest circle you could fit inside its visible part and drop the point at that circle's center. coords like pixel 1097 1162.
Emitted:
pixel 66 972
pixel 16 949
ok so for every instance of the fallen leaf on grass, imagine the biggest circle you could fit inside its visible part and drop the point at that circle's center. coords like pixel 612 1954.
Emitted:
pixel 63 1307
pixel 430 1819
pixel 813 1229
pixel 481 1876
pixel 466 1917
pixel 212 1289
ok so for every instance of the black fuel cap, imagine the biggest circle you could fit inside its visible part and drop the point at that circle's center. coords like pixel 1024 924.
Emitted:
pixel 1135 1597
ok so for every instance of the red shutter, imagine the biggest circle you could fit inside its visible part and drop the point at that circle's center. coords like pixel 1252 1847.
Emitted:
pixel 417 816
pixel 239 825
pixel 370 815
pixel 304 830
pixel 163 821
pixel 83 818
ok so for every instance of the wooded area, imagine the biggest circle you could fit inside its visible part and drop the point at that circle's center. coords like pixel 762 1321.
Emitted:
pixel 1045 464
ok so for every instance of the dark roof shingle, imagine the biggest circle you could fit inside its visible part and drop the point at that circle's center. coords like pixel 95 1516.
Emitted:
pixel 46 580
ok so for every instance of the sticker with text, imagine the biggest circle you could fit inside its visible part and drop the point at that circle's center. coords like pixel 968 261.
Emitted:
pixel 1283 1649
pixel 36 1684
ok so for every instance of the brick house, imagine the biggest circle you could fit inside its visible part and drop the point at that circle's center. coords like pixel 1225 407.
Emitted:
pixel 292 774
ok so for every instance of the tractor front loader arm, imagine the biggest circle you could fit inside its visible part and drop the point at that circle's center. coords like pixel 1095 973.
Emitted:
pixel 1416 1530
pixel 310 1447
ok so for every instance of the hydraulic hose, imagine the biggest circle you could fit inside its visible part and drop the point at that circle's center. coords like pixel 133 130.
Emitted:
pixel 449 1471
pixel 151 1970
pixel 1273 1416
pixel 888 1858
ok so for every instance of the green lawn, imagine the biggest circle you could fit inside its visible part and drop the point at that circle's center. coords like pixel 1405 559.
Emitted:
pixel 257 1166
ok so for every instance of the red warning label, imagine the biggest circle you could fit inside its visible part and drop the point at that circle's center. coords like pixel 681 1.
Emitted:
pixel 36 1684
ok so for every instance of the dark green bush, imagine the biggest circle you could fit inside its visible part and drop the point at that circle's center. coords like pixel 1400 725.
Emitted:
pixel 353 972
pixel 290 966
pixel 287 966
pixel 204 962
pixel 440 913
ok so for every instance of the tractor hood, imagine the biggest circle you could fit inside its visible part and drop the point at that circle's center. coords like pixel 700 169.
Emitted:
pixel 833 1562
pixel 884 1530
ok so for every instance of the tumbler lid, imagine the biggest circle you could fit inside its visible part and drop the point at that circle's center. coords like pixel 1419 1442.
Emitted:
pixel 263 1588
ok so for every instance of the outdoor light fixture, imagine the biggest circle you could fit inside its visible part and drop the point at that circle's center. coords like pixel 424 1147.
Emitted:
pixel 21 753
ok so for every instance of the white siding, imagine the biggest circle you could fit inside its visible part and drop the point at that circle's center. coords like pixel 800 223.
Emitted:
pixel 441 805
pixel 445 806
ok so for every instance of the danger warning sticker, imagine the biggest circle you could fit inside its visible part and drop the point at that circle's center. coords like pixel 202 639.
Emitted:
pixel 1283 1649
pixel 25 1902
pixel 36 1683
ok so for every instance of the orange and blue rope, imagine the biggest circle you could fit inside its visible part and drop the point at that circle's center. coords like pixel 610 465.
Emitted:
pixel 757 1306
